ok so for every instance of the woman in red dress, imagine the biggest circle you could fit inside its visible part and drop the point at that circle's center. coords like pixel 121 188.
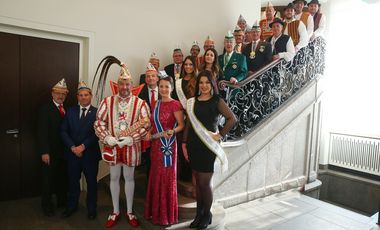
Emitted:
pixel 161 203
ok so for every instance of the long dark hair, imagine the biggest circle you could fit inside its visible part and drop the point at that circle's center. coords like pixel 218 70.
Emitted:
pixel 105 64
pixel 190 88
pixel 209 76
pixel 215 65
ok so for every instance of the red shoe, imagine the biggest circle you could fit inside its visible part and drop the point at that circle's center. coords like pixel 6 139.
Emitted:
pixel 112 219
pixel 132 220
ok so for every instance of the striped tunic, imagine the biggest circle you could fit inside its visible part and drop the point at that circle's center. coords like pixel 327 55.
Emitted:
pixel 112 120
pixel 293 31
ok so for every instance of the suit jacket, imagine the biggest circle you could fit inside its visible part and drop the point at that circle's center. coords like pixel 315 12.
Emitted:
pixel 169 69
pixel 144 94
pixel 263 55
pixel 236 67
pixel 76 131
pixel 49 139
pixel 142 78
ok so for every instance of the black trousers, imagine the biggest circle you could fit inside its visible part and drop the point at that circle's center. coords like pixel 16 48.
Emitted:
pixel 54 181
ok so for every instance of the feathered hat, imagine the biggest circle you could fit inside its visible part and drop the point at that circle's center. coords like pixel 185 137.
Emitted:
pixel 104 66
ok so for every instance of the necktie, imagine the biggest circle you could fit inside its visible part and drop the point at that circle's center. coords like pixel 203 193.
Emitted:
pixel 61 110
pixel 177 68
pixel 83 113
pixel 227 59
pixel 254 46
pixel 152 100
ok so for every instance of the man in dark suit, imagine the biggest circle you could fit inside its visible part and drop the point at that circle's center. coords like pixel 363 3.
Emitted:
pixel 82 151
pixel 149 93
pixel 257 53
pixel 174 70
pixel 50 145
pixel 155 61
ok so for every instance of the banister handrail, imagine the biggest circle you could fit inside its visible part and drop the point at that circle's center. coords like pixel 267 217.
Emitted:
pixel 250 77
pixel 263 92
pixel 286 79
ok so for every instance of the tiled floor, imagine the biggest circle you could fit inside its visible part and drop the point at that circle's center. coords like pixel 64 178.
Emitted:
pixel 293 211
pixel 287 210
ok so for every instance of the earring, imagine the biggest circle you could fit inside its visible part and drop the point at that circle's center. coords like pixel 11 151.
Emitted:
pixel 212 91
pixel 199 92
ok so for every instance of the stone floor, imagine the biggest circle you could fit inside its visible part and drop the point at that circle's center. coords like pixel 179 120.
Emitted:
pixel 292 210
pixel 287 210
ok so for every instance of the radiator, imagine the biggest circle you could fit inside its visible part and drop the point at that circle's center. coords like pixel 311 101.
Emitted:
pixel 355 153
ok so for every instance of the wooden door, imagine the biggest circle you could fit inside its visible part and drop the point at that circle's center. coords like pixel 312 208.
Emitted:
pixel 41 64
pixel 10 169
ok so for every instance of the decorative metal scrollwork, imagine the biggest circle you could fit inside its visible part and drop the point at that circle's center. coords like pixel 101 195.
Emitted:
pixel 262 93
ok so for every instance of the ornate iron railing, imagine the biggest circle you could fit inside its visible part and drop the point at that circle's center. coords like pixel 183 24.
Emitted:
pixel 262 93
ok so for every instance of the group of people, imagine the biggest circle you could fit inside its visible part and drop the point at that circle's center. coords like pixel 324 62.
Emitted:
pixel 174 116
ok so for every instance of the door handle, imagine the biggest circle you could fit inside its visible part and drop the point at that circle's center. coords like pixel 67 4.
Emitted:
pixel 12 131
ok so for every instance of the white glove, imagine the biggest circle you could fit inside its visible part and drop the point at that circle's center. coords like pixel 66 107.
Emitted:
pixel 123 141
pixel 110 140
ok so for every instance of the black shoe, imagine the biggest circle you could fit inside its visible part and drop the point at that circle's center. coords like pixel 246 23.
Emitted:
pixel 48 211
pixel 196 221
pixel 91 215
pixel 205 221
pixel 68 212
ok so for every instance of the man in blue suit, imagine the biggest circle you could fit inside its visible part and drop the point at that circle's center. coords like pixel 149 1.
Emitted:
pixel 82 151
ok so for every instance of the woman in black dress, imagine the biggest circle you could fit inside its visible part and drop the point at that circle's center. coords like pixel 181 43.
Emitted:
pixel 207 107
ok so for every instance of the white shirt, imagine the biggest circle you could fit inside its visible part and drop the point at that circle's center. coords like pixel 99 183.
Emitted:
pixel 310 24
pixel 155 93
pixel 321 28
pixel 290 50
pixel 304 38
pixel 81 111
pixel 56 104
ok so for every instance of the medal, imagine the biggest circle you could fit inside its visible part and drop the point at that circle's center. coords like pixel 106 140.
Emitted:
pixel 234 66
pixel 252 54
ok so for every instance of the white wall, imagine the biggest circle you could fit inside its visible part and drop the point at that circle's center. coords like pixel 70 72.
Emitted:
pixel 130 30
pixel 352 79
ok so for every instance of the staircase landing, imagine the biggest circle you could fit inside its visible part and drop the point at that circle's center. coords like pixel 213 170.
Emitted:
pixel 292 210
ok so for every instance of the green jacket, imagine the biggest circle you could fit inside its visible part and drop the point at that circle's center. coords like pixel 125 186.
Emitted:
pixel 236 67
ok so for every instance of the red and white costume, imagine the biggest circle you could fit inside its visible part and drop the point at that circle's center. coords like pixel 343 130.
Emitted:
pixel 115 115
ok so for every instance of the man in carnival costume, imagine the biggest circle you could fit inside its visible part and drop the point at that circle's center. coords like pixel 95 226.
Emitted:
pixel 121 124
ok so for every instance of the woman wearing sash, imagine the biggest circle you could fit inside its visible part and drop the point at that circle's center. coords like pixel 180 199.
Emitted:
pixel 185 90
pixel 201 148
pixel 210 63
pixel 167 120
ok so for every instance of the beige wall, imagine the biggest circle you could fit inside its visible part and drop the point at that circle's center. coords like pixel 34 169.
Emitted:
pixel 129 30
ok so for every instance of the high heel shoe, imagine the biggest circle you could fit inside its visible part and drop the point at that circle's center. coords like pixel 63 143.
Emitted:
pixel 205 221
pixel 196 221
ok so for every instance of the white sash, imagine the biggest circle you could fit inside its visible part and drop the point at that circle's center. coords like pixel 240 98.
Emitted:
pixel 205 136
pixel 181 95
